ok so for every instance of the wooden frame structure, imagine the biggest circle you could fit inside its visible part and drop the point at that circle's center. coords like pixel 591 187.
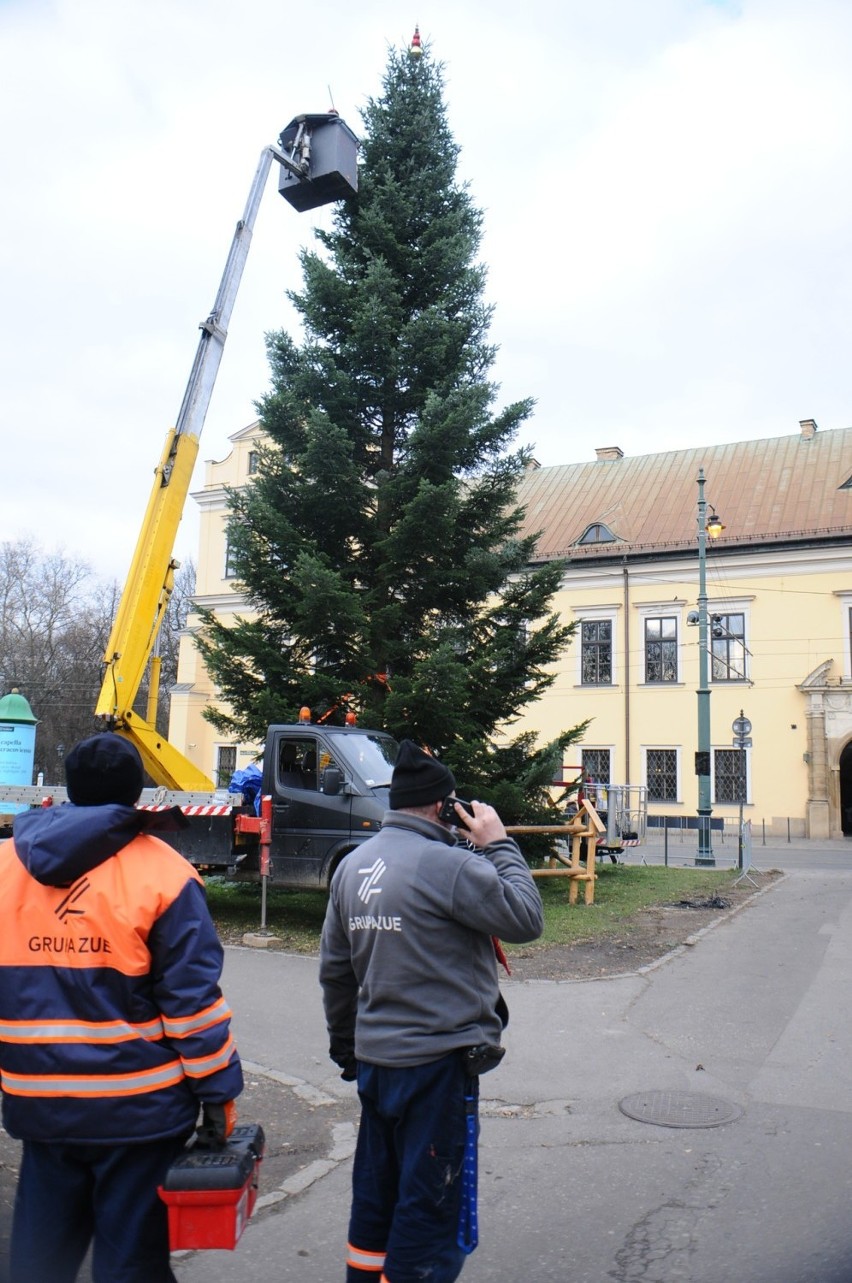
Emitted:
pixel 585 827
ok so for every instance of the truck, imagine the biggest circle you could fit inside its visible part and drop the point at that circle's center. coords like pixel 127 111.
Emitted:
pixel 322 791
pixel 325 791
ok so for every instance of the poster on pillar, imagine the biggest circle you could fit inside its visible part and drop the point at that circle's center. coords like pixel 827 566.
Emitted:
pixel 17 753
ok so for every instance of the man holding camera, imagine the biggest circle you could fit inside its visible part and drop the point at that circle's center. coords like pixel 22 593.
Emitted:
pixel 413 1008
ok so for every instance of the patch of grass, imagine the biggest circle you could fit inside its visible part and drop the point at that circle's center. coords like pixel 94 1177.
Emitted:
pixel 621 892
pixel 295 917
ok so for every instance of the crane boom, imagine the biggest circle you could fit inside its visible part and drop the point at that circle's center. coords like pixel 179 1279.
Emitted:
pixel 150 581
pixel 314 176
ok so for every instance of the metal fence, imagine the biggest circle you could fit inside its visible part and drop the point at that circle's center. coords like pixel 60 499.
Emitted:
pixel 725 829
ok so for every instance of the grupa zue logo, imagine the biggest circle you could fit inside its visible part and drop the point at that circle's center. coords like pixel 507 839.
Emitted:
pixel 369 887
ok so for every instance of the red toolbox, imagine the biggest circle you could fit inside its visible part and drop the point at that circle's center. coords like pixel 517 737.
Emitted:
pixel 211 1191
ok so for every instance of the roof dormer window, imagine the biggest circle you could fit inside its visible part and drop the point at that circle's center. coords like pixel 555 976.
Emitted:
pixel 597 533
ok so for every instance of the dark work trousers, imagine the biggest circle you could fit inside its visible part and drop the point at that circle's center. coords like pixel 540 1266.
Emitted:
pixel 72 1195
pixel 406 1180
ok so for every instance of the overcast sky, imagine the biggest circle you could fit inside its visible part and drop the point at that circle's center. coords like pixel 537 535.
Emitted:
pixel 667 189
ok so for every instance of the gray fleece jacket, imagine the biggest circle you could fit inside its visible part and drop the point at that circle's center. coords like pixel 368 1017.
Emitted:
pixel 407 964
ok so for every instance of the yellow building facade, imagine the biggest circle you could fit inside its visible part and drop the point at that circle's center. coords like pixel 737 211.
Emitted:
pixel 779 601
pixel 216 590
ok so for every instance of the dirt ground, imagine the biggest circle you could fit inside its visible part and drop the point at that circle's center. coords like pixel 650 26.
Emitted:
pixel 647 937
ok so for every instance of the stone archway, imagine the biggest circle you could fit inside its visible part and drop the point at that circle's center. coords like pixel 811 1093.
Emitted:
pixel 829 755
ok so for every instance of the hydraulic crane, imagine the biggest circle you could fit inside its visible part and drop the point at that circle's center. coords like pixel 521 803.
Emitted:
pixel 317 155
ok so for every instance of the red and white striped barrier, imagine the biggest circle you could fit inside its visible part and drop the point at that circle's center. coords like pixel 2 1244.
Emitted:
pixel 188 810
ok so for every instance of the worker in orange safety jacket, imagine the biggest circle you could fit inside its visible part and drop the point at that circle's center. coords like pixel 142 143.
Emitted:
pixel 113 1029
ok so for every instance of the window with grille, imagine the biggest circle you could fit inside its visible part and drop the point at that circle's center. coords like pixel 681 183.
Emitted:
pixel 661 774
pixel 727 648
pixel 596 652
pixel 730 775
pixel 230 568
pixel 595 771
pixel 661 650
pixel 596 765
pixel 226 764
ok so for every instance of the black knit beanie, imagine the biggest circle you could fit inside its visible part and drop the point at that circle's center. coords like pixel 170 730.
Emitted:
pixel 418 778
pixel 102 769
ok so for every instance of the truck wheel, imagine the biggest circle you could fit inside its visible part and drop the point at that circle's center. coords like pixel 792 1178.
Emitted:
pixel 333 866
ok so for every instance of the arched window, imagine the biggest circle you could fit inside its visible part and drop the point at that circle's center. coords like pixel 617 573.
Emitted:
pixel 597 533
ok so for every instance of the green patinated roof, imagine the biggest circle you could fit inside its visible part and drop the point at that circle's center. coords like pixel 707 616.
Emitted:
pixel 15 708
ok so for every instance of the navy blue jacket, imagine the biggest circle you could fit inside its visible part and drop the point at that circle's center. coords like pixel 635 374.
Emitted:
pixel 113 1027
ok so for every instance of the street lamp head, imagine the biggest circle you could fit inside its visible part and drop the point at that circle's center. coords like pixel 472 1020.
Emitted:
pixel 714 524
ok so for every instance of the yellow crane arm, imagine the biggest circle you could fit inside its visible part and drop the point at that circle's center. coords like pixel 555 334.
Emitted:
pixel 150 580
pixel 140 612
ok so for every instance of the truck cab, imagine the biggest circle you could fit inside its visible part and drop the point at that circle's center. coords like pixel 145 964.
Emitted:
pixel 329 788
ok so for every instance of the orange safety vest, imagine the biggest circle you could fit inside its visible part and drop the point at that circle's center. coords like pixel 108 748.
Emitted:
pixel 112 1023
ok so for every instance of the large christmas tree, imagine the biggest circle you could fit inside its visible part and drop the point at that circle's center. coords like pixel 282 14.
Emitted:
pixel 378 543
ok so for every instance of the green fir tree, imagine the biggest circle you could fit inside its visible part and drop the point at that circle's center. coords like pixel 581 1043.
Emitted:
pixel 379 542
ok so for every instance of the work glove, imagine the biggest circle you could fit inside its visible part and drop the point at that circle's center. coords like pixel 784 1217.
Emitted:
pixel 343 1054
pixel 217 1122
pixel 349 1070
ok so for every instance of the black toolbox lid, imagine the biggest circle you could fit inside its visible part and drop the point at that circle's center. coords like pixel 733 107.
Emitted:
pixel 229 1166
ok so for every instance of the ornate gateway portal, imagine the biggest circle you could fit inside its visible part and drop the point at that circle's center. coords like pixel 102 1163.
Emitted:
pixel 829 755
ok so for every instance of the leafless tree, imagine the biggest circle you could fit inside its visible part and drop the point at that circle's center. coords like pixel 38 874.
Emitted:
pixel 55 620
pixel 51 618
pixel 169 643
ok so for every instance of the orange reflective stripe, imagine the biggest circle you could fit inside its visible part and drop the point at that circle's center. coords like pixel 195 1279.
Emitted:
pixel 181 1026
pixel 101 1031
pixel 92 1084
pixel 359 1259
pixel 201 1066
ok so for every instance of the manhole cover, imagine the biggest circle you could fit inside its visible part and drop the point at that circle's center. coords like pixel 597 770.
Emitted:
pixel 679 1109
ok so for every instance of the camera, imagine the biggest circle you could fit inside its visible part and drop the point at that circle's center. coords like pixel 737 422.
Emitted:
pixel 448 811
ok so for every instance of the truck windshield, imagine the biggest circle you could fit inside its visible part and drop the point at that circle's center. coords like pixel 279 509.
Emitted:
pixel 372 756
